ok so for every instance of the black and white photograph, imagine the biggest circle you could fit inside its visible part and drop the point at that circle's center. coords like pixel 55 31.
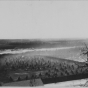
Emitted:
pixel 44 43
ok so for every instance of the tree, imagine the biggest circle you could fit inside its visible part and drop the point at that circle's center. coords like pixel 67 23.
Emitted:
pixel 11 79
pixel 27 77
pixel 32 82
pixel 19 79
pixel 84 51
pixel 1 83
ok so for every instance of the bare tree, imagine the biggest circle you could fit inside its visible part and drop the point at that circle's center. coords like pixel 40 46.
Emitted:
pixel 84 51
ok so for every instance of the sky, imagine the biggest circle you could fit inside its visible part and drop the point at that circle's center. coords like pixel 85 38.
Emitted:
pixel 43 19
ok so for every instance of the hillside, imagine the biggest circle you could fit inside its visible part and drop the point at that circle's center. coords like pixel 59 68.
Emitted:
pixel 41 66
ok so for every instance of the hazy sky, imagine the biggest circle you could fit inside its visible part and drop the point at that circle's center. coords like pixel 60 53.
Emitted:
pixel 43 19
